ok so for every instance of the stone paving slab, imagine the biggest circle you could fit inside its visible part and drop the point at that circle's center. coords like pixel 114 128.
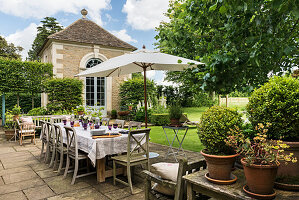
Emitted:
pixel 14 170
pixel 19 164
pixel 60 185
pixel 39 166
pixel 4 150
pixel 23 157
pixel 47 173
pixel 118 194
pixel 40 192
pixel 14 196
pixel 18 177
pixel 14 154
pixel 21 185
pixel 1 181
pixel 25 148
pixel 87 193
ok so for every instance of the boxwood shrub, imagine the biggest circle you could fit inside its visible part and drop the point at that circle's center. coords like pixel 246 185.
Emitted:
pixel 214 128
pixel 277 102
pixel 160 119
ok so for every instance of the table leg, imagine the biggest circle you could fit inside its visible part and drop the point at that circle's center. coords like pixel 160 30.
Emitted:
pixel 101 170
pixel 190 192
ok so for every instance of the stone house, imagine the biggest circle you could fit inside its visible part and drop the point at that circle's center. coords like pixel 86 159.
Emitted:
pixel 82 45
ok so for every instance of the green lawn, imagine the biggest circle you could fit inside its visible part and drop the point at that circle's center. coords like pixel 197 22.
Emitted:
pixel 191 141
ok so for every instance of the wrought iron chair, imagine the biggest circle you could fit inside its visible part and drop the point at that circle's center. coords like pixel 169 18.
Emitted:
pixel 105 121
pixel 121 123
pixel 74 154
pixel 26 130
pixel 60 149
pixel 179 186
pixel 133 124
pixel 133 157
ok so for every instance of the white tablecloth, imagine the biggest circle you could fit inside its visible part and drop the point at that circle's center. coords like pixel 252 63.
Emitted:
pixel 101 147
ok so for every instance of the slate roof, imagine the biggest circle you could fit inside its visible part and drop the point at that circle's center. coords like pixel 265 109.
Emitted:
pixel 86 31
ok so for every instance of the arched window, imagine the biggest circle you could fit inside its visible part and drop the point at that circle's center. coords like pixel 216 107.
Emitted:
pixel 95 86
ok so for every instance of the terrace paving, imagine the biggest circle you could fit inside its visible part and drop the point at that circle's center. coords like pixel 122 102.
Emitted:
pixel 24 176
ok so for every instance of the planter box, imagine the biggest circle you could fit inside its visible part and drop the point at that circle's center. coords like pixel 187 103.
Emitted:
pixel 9 134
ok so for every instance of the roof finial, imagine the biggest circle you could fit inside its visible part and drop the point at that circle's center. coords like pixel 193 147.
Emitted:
pixel 143 47
pixel 84 13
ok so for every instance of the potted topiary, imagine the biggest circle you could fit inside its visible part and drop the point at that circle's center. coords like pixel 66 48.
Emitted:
pixel 80 110
pixel 9 127
pixel 175 113
pixel 15 112
pixel 113 114
pixel 276 102
pixel 260 160
pixel 213 129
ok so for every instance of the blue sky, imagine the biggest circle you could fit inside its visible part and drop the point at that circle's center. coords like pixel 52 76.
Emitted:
pixel 133 21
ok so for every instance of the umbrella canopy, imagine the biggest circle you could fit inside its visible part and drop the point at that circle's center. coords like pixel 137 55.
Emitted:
pixel 139 61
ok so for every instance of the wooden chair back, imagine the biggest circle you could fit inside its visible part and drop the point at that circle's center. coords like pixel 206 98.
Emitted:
pixel 143 149
pixel 105 121
pixel 71 141
pixel 133 124
pixel 121 123
pixel 51 135
pixel 58 136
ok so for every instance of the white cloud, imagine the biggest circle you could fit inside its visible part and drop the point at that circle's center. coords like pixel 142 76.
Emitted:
pixel 42 8
pixel 23 38
pixel 145 14
pixel 123 35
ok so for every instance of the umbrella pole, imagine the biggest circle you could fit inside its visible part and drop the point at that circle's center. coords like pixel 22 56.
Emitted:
pixel 145 100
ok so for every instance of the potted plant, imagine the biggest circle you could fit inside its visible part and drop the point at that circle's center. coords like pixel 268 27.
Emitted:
pixel 175 113
pixel 214 128
pixel 15 112
pixel 9 127
pixel 113 114
pixel 276 102
pixel 261 159
pixel 80 110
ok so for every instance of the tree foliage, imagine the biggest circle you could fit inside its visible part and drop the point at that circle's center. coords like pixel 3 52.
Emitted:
pixel 48 27
pixel 64 94
pixel 241 42
pixel 9 50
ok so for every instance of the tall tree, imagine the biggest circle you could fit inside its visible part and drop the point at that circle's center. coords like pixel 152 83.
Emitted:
pixel 48 27
pixel 9 50
pixel 241 42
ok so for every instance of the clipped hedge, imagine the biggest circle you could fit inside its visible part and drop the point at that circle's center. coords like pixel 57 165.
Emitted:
pixel 160 119
pixel 277 102
pixel 214 128
pixel 63 94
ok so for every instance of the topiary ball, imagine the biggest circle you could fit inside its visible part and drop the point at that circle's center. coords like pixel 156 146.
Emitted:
pixel 277 102
pixel 214 128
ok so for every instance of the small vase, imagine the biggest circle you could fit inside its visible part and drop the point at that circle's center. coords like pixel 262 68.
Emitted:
pixel 96 126
pixel 72 123
pixel 64 122
pixel 85 126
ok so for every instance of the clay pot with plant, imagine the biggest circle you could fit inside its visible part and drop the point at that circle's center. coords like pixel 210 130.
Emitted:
pixel 214 128
pixel 276 102
pixel 9 127
pixel 175 113
pixel 80 110
pixel 261 159
pixel 16 112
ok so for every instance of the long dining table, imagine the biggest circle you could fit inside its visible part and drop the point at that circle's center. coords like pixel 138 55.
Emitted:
pixel 98 149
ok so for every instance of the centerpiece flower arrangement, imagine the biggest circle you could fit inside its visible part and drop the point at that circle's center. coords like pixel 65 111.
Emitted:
pixel 261 159
pixel 85 119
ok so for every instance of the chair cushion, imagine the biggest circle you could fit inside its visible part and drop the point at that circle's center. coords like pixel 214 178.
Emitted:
pixel 167 171
pixel 27 120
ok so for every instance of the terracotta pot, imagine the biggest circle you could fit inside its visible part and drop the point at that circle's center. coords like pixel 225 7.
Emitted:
pixel 175 122
pixel 260 178
pixel 291 169
pixel 123 113
pixel 15 117
pixel 220 167
pixel 9 134
pixel 80 112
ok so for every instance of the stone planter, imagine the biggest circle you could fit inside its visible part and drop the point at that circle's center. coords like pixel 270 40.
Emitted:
pixel 9 134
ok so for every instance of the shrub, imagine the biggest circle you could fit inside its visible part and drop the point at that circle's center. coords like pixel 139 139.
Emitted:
pixel 63 94
pixel 277 102
pixel 113 114
pixel 214 128
pixel 160 119
pixel 16 110
pixel 175 111
pixel 140 114
pixel 37 111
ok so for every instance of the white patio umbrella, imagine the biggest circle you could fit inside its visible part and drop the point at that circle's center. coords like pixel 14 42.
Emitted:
pixel 139 61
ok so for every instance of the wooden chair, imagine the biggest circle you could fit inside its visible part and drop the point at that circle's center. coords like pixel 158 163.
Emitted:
pixel 60 149
pixel 105 121
pixel 133 157
pixel 26 130
pixel 179 186
pixel 50 153
pixel 133 124
pixel 44 136
pixel 74 154
pixel 121 123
